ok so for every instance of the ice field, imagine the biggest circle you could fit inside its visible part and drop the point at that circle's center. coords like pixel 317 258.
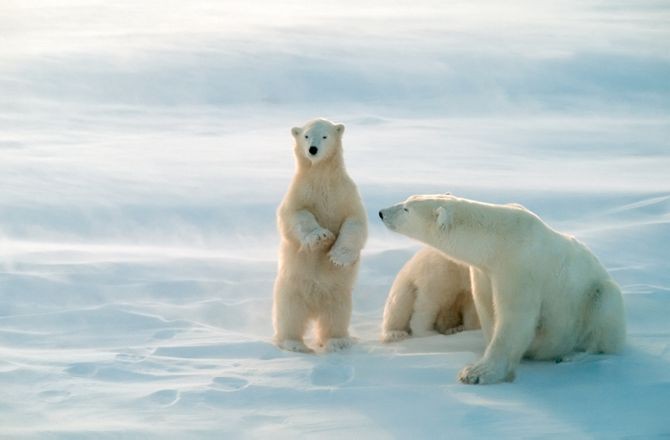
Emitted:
pixel 144 148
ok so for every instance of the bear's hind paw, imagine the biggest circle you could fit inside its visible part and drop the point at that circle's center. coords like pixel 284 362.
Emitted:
pixel 295 346
pixel 394 336
pixel 338 344
pixel 453 330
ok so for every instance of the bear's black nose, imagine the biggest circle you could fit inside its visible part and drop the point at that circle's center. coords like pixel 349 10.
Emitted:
pixel 381 215
pixel 313 150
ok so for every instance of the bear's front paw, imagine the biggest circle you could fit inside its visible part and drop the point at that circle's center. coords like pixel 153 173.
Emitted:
pixel 343 256
pixel 485 372
pixel 318 238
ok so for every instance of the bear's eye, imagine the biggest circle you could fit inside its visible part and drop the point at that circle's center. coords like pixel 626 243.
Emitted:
pixel 325 137
pixel 306 137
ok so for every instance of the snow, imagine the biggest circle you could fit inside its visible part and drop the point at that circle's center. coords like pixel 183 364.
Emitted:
pixel 144 147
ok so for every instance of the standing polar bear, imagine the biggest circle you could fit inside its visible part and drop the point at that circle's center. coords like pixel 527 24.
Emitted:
pixel 323 228
pixel 538 293
pixel 430 293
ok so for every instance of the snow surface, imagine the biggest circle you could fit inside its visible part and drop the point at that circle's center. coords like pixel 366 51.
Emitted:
pixel 144 147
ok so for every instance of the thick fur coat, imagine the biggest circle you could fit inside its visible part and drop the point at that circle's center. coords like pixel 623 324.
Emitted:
pixel 430 293
pixel 538 293
pixel 323 227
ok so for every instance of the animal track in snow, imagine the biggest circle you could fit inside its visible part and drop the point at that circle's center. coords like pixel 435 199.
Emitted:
pixel 329 374
pixel 226 383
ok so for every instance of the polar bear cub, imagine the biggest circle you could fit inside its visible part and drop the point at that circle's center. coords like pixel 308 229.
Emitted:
pixel 538 293
pixel 323 227
pixel 430 293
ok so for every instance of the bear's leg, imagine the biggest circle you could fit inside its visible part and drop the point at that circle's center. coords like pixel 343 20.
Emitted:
pixel 607 326
pixel 398 310
pixel 517 311
pixel 425 313
pixel 333 323
pixel 350 240
pixel 482 296
pixel 470 318
pixel 290 316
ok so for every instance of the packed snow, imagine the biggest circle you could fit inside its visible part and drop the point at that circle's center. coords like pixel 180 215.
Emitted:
pixel 144 148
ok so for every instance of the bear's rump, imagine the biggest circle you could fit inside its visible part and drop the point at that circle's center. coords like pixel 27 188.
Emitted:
pixel 560 325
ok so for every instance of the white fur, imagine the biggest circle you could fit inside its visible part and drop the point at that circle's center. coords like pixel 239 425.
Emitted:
pixel 538 293
pixel 430 293
pixel 323 228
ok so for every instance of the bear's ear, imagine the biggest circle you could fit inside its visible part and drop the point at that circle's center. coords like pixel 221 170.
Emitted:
pixel 295 131
pixel 443 218
pixel 339 128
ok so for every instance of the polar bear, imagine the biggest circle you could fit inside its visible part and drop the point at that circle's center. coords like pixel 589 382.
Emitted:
pixel 430 293
pixel 323 227
pixel 538 293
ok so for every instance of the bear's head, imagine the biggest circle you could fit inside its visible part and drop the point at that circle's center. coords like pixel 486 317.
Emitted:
pixel 421 217
pixel 466 230
pixel 318 140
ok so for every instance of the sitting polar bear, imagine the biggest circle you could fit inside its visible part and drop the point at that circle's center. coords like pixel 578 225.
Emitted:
pixel 323 228
pixel 538 293
pixel 431 292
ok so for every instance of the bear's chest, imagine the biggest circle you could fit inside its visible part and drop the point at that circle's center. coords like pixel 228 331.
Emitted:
pixel 330 204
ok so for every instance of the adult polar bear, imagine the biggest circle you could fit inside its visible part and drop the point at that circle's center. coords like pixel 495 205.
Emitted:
pixel 323 228
pixel 538 292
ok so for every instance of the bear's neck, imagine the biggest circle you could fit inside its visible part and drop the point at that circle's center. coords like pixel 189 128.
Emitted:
pixel 467 249
pixel 331 166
